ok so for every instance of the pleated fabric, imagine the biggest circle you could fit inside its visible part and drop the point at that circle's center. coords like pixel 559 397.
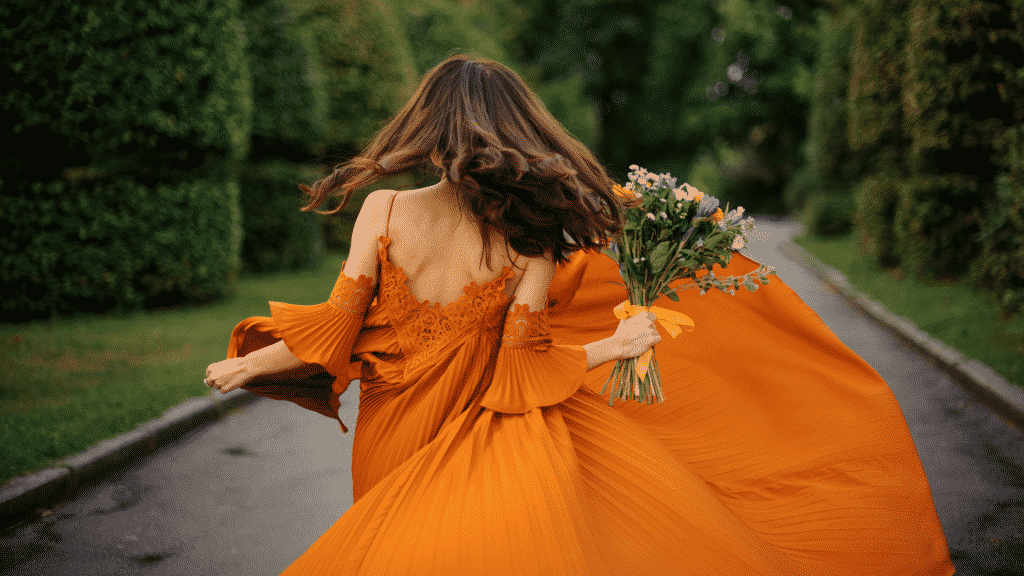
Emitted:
pixel 778 449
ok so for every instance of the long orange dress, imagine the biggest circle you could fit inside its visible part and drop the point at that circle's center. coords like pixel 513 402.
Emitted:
pixel 484 447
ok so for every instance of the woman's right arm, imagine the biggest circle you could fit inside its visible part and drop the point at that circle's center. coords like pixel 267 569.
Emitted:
pixel 602 351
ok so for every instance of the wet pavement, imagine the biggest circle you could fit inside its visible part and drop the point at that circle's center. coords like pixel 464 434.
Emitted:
pixel 251 492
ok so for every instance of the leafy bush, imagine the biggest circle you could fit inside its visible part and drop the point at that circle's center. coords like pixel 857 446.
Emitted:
pixel 751 182
pixel 799 189
pixel 829 214
pixel 116 245
pixel 875 199
pixel 366 65
pixel 875 123
pixel 935 224
pixel 962 88
pixel 278 236
pixel 1000 266
pixel 440 28
pixel 565 100
pixel 829 162
pixel 960 56
pixel 129 118
pixel 290 108
pixel 124 87
pixel 437 28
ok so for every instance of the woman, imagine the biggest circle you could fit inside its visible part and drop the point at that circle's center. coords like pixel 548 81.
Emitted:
pixel 483 445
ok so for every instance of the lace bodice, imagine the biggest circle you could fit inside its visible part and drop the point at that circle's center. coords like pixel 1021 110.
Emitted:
pixel 426 327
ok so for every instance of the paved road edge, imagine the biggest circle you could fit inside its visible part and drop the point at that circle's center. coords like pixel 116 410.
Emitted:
pixel 983 382
pixel 29 497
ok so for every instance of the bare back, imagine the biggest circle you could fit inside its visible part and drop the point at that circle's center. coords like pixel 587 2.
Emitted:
pixel 441 255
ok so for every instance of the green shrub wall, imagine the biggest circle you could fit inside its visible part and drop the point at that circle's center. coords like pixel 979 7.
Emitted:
pixel 935 224
pixel 829 165
pixel 999 267
pixel 278 236
pixel 289 104
pixel 366 64
pixel 116 245
pixel 128 120
pixel 828 214
pixel 875 199
pixel 127 87
pixel 290 112
pixel 959 56
pixel 874 122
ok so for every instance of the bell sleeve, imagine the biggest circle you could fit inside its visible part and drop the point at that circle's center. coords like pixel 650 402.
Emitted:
pixel 530 371
pixel 321 335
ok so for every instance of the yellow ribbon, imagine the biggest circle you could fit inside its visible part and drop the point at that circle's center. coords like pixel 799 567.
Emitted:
pixel 669 320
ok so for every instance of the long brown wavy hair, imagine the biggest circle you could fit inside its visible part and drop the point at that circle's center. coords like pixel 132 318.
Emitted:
pixel 475 122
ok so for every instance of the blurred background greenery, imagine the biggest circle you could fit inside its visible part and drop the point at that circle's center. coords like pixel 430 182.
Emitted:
pixel 157 144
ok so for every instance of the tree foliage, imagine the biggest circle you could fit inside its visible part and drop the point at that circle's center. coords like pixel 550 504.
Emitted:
pixel 670 78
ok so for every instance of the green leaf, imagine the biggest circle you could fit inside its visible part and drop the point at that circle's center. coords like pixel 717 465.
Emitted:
pixel 659 256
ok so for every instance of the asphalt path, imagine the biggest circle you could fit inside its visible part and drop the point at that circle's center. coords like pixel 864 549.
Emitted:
pixel 251 492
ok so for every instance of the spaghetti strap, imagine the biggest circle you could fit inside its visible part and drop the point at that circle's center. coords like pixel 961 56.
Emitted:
pixel 387 222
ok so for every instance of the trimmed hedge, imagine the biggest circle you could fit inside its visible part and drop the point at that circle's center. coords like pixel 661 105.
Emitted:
pixel 935 223
pixel 1000 265
pixel 366 63
pixel 278 236
pixel 121 191
pixel 290 108
pixel 123 86
pixel 436 30
pixel 875 200
pixel 829 163
pixel 875 124
pixel 116 245
pixel 829 214
pixel 960 55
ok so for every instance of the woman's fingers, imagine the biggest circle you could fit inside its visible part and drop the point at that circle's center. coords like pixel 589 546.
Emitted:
pixel 226 375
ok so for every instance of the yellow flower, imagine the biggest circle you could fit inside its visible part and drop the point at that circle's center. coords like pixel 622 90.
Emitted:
pixel 622 192
pixel 717 216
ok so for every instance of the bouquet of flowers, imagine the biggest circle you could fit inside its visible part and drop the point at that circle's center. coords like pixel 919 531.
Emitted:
pixel 675 232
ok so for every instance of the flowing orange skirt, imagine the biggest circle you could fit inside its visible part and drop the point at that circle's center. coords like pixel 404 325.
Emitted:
pixel 778 451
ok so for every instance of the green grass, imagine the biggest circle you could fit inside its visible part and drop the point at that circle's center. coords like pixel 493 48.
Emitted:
pixel 67 384
pixel 950 311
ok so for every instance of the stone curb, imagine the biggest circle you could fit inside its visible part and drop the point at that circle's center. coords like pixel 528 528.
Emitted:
pixel 26 497
pixel 987 385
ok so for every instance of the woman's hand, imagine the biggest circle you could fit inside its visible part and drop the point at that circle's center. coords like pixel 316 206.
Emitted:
pixel 636 334
pixel 227 375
